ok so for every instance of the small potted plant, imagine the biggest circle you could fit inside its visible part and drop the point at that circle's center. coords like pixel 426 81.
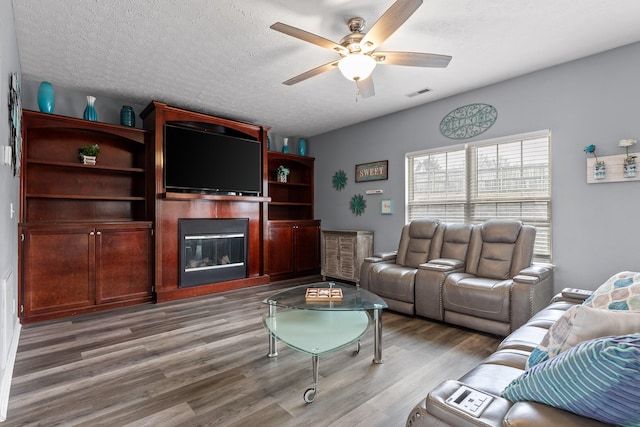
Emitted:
pixel 89 153
pixel 282 173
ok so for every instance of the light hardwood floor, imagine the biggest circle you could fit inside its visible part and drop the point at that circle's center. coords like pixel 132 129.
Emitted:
pixel 202 362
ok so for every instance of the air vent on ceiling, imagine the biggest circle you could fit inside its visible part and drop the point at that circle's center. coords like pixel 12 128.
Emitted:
pixel 420 92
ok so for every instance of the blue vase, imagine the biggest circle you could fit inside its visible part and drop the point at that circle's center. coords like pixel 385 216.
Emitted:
pixel 127 116
pixel 302 147
pixel 46 99
pixel 90 111
pixel 268 143
pixel 285 145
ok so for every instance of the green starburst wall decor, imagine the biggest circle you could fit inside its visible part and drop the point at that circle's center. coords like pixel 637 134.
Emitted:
pixel 358 204
pixel 339 180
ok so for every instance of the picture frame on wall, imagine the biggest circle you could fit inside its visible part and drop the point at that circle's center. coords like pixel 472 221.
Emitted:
pixel 15 122
pixel 386 207
pixel 373 171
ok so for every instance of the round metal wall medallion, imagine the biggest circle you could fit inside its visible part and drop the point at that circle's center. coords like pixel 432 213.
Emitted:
pixel 468 121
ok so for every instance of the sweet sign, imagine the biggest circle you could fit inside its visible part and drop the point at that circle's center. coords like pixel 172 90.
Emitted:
pixel 468 121
pixel 373 171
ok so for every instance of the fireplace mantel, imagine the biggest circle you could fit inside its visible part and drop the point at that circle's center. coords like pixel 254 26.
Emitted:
pixel 168 207
pixel 193 196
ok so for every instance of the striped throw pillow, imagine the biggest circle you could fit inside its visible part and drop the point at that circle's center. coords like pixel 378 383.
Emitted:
pixel 599 379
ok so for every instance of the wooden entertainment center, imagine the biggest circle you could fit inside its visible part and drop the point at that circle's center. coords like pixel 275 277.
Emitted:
pixel 94 237
pixel 85 230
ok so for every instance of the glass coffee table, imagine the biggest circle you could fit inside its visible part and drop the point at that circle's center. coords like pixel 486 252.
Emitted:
pixel 317 328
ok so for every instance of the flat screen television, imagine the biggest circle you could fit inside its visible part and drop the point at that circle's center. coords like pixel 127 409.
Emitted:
pixel 199 161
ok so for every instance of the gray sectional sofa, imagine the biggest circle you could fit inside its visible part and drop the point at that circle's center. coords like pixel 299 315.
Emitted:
pixel 574 363
pixel 477 276
pixel 493 375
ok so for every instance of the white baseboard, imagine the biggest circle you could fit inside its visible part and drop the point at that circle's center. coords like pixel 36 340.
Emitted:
pixel 7 375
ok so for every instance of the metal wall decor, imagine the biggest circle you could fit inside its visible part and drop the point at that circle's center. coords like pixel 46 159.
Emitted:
pixel 468 121
pixel 339 180
pixel 373 171
pixel 358 204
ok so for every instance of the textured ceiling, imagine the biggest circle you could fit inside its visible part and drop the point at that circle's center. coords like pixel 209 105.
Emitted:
pixel 220 57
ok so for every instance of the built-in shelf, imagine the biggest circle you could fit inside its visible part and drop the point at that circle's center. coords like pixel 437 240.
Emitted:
pixel 96 167
pixel 86 234
pixel 80 197
pixel 289 184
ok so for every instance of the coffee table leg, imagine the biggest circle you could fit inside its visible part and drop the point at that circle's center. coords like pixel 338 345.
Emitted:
pixel 273 342
pixel 377 338
pixel 310 393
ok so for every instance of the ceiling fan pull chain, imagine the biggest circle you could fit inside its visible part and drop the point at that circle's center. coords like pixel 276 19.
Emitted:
pixel 357 89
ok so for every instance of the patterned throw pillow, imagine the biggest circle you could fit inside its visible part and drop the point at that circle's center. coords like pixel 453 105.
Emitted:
pixel 581 323
pixel 599 379
pixel 620 292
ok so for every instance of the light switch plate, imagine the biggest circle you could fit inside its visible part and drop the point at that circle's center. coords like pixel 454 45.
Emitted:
pixel 6 154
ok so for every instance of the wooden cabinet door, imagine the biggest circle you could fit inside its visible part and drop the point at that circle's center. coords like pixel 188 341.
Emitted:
pixel 331 254
pixel 347 258
pixel 57 269
pixel 307 247
pixel 281 258
pixel 123 263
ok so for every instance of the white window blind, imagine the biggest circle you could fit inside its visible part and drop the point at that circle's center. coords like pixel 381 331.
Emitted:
pixel 506 178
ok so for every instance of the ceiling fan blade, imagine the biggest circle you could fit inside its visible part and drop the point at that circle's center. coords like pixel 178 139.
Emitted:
pixel 413 59
pixel 365 87
pixel 389 22
pixel 311 73
pixel 307 36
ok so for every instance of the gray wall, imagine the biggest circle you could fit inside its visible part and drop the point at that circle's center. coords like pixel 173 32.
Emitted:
pixel 589 101
pixel 9 195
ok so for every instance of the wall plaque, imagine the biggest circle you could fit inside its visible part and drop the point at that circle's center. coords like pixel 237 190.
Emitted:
pixel 373 171
pixel 468 121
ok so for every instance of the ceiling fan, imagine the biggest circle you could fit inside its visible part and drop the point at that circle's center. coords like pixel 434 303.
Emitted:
pixel 357 50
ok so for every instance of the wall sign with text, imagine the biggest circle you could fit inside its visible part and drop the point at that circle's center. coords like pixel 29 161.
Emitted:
pixel 373 171
pixel 468 121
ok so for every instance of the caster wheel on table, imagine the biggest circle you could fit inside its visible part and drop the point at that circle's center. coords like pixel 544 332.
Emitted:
pixel 310 395
pixel 357 347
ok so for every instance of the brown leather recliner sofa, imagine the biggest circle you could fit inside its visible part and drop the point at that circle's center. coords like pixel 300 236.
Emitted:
pixel 477 276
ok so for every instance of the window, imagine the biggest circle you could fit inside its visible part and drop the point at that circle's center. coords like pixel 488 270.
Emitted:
pixel 505 178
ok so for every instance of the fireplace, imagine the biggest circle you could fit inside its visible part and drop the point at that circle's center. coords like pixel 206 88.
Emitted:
pixel 212 250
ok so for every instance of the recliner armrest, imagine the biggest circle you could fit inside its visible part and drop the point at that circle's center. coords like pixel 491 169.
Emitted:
pixel 531 291
pixel 539 271
pixel 437 407
pixel 382 257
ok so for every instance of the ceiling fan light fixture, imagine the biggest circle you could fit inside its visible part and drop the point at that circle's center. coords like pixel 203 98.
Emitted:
pixel 357 66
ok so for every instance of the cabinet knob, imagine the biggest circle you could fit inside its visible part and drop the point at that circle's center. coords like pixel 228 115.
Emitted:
pixel 99 233
pixel 91 233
